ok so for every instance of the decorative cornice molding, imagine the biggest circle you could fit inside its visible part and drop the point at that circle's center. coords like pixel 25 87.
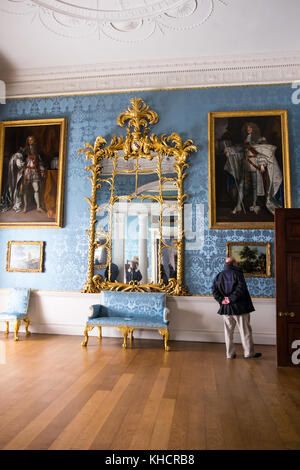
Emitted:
pixel 121 77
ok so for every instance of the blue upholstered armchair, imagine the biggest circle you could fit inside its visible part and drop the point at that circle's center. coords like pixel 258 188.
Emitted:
pixel 17 310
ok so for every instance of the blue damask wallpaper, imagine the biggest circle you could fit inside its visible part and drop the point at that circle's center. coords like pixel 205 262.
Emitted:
pixel 184 111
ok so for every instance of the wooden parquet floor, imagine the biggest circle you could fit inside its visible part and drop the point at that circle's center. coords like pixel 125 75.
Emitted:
pixel 54 394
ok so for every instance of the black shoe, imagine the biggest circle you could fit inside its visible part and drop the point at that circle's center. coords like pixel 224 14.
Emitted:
pixel 255 356
pixel 232 357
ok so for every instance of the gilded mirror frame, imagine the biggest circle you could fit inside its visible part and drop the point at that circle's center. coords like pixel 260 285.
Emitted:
pixel 138 144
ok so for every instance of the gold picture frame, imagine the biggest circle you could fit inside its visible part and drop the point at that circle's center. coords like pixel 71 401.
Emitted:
pixel 32 167
pixel 25 256
pixel 248 160
pixel 256 262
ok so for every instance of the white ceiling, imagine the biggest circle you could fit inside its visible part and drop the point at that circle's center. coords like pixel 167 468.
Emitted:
pixel 33 37
pixel 39 34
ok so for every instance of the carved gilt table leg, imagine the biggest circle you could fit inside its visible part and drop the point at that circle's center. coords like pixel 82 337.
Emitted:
pixel 7 328
pixel 27 323
pixel 124 331
pixel 131 335
pixel 166 335
pixel 17 326
pixel 100 333
pixel 87 329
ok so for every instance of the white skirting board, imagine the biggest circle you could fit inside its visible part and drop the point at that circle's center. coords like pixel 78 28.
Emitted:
pixel 192 318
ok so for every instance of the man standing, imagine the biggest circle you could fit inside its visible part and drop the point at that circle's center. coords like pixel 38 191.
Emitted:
pixel 133 273
pixel 114 272
pixel 230 290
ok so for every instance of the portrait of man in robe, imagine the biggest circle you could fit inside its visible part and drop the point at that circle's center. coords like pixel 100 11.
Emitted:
pixel 249 168
pixel 32 170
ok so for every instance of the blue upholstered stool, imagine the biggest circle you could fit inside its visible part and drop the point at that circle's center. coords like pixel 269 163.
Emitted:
pixel 17 310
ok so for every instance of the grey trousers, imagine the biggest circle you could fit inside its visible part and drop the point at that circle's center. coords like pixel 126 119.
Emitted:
pixel 245 330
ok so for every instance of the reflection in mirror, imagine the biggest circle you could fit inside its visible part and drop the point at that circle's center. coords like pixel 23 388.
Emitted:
pixel 100 258
pixel 169 262
pixel 130 240
pixel 134 261
pixel 101 248
pixel 164 246
pixel 144 237
pixel 125 185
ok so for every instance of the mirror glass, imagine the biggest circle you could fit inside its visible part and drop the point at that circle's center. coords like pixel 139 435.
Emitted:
pixel 144 230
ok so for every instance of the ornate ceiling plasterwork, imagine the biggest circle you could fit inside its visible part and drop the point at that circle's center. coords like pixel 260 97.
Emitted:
pixel 120 20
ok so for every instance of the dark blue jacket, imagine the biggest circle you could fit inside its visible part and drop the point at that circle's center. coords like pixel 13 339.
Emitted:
pixel 231 283
pixel 114 271
pixel 133 275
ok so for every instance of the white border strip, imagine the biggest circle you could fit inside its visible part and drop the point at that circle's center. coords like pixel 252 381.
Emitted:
pixel 123 77
pixel 191 318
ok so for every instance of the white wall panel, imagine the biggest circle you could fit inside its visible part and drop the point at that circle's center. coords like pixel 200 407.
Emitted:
pixel 192 318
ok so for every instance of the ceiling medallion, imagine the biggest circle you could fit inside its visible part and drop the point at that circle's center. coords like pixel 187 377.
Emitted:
pixel 121 20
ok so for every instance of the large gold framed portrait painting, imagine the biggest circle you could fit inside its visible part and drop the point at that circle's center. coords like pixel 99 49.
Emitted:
pixel 32 166
pixel 249 169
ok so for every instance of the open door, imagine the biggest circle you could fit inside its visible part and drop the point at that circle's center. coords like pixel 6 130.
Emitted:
pixel 287 256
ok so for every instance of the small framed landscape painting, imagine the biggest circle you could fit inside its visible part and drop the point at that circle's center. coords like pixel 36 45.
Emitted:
pixel 253 257
pixel 25 257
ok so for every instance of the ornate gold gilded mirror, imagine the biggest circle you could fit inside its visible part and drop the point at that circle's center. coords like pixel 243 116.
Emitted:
pixel 136 207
